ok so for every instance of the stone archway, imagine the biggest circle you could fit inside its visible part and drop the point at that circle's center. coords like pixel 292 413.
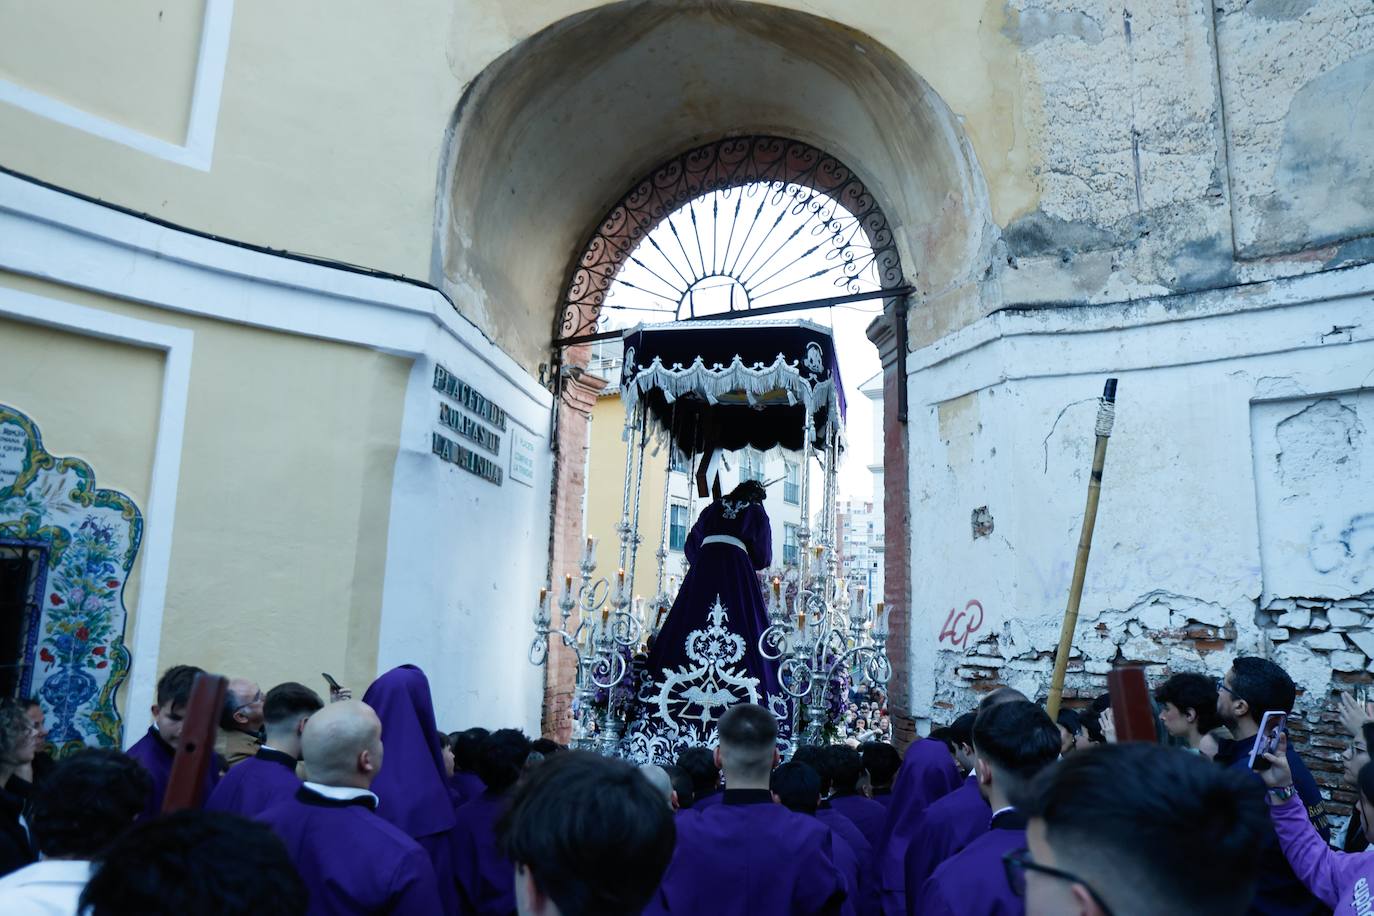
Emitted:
pixel 557 129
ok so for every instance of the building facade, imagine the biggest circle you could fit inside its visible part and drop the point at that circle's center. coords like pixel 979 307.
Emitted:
pixel 265 436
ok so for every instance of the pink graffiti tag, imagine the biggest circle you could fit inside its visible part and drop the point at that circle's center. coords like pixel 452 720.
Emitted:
pixel 970 623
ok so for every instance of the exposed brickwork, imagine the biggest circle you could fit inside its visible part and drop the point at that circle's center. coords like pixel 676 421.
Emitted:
pixel 570 483
pixel 896 531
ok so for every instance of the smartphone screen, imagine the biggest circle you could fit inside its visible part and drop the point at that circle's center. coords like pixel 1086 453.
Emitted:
pixel 1267 741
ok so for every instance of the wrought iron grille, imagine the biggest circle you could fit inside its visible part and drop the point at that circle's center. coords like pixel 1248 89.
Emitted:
pixel 760 195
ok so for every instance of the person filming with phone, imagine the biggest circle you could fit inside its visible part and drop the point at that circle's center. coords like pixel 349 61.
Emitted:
pixel 1341 880
pixel 1253 688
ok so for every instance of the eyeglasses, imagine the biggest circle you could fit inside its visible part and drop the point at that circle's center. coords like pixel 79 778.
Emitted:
pixel 1018 862
pixel 1222 685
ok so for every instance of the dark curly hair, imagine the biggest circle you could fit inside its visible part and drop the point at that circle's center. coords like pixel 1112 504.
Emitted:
pixel 87 802
pixel 15 728
pixel 749 491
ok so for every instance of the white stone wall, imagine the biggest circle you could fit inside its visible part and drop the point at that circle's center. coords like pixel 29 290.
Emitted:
pixel 1237 504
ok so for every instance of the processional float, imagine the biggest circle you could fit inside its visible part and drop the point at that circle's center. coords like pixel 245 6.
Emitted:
pixel 699 387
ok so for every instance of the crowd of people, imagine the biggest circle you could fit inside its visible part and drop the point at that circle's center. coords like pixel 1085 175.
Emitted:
pixel 342 805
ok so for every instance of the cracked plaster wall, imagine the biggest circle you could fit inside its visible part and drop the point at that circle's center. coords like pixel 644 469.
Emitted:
pixel 1237 512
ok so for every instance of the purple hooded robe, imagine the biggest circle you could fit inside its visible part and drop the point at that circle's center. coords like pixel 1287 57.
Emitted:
pixel 412 784
pixel 869 816
pixel 750 857
pixel 852 850
pixel 974 880
pixel 350 859
pixel 927 774
pixel 945 828
pixel 465 786
pixel 156 756
pixel 256 784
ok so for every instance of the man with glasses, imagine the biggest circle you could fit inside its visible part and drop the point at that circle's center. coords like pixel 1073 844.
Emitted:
pixel 1251 688
pixel 240 725
pixel 1139 830
pixel 1012 742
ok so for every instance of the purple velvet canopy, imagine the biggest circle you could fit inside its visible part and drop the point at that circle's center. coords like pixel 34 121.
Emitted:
pixel 753 382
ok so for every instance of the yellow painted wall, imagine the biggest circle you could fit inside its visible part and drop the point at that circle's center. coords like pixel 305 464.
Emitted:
pixel 333 117
pixel 605 480
pixel 92 399
pixel 284 497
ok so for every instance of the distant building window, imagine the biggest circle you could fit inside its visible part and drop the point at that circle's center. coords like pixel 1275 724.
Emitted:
pixel 678 461
pixel 751 465
pixel 789 544
pixel 791 487
pixel 677 527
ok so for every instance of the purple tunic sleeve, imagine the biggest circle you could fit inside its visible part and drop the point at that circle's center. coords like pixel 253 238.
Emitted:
pixel 758 534
pixel 698 532
pixel 414 889
pixel 1326 872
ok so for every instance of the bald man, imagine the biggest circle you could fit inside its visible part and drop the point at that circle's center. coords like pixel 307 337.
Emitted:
pixel 351 860
pixel 661 781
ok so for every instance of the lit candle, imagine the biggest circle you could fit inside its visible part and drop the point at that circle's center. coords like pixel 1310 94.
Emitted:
pixel 672 585
pixel 567 583
pixel 605 613
pixel 861 596
pixel 620 577
pixel 801 621
pixel 543 595
pixel 777 587
pixel 881 617
pixel 591 544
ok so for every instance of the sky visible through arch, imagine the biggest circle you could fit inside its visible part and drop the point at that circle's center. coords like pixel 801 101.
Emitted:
pixel 763 245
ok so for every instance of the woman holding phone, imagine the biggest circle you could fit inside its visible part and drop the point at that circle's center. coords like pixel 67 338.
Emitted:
pixel 1343 881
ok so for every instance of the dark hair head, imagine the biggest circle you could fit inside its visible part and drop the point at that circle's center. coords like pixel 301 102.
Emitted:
pixel 465 747
pixel 1070 719
pixel 546 746
pixel 174 687
pixel 1101 702
pixel 1365 777
pixel 1018 740
pixel 797 786
pixel 846 768
pixel 195 862
pixel 1191 690
pixel 1133 820
pixel 15 728
pixel 682 785
pixel 592 831
pixel 29 703
pixel 882 762
pixel 1002 695
pixel 445 741
pixel 961 729
pixel 501 758
pixel 748 740
pixel 749 491
pixel 86 802
pixel 699 763
pixel 1263 685
pixel 815 757
pixel 287 703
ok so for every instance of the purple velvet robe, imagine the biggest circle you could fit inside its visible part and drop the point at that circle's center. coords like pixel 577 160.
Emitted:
pixel 156 756
pixel 486 878
pixel 943 829
pixel 412 784
pixel 351 860
pixel 750 857
pixel 863 891
pixel 927 774
pixel 256 784
pixel 869 816
pixel 465 786
pixel 974 879
pixel 720 574
pixel 706 801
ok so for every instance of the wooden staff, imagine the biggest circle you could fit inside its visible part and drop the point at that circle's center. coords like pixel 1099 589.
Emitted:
pixel 1132 713
pixel 1106 413
pixel 196 749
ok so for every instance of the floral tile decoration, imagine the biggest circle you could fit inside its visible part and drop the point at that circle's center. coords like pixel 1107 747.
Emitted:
pixel 75 657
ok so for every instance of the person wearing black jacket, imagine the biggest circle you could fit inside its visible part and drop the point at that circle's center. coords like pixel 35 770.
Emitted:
pixel 17 747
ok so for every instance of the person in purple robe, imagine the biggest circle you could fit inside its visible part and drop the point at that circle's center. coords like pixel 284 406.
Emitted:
pixel 952 822
pixel 413 787
pixel 927 775
pixel 588 836
pixel 465 782
pixel 157 749
pixel 748 856
pixel 882 762
pixel 269 776
pixel 1012 742
pixel 699 763
pixel 846 767
pixel 485 883
pixel 706 656
pixel 352 860
pixel 797 787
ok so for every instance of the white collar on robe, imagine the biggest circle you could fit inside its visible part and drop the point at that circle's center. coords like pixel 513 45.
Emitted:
pixel 342 793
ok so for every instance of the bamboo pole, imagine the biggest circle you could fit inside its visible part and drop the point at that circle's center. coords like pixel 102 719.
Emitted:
pixel 1106 414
